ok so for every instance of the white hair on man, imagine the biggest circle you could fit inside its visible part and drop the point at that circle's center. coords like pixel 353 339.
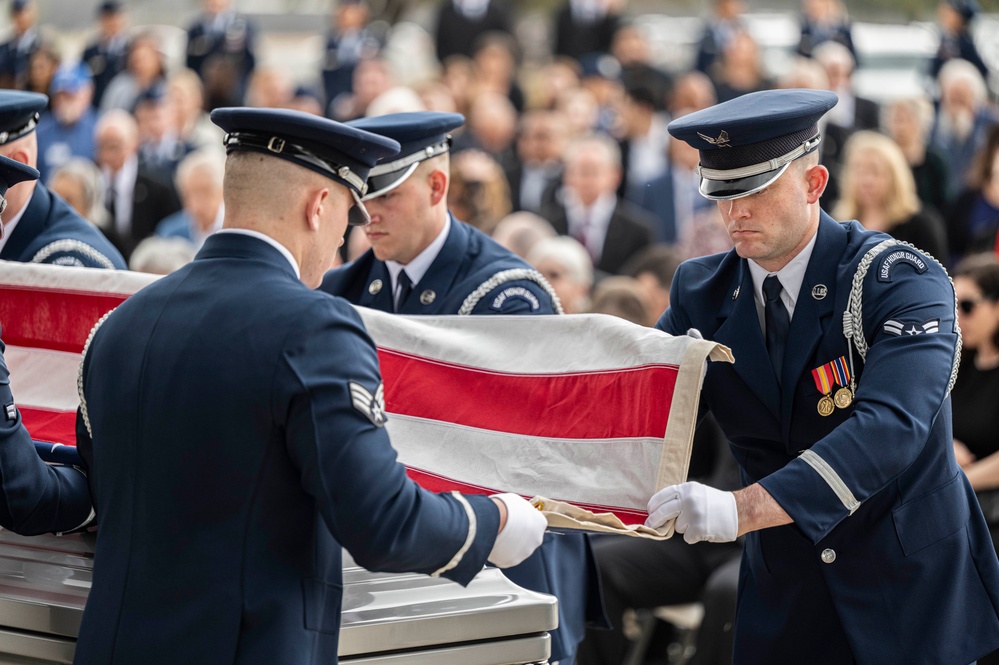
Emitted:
pixel 962 94
pixel 567 266
pixel 161 256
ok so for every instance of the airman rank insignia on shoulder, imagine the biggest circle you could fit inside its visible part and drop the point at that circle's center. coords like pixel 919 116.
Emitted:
pixel 515 292
pixel 897 257
pixel 372 406
pixel 899 328
pixel 10 411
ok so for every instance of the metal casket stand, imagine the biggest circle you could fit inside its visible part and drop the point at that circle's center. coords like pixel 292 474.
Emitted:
pixel 387 619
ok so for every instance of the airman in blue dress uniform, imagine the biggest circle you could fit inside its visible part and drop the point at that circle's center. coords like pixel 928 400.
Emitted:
pixel 36 497
pixel 41 227
pixel 455 269
pixel 458 269
pixel 232 424
pixel 865 543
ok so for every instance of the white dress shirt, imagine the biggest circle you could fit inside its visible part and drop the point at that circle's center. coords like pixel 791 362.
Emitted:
pixel 790 276
pixel 419 266
pixel 270 241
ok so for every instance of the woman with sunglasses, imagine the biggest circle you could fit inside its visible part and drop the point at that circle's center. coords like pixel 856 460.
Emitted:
pixel 976 392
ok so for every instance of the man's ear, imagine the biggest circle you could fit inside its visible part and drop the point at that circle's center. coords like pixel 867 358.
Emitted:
pixel 816 179
pixel 315 206
pixel 438 186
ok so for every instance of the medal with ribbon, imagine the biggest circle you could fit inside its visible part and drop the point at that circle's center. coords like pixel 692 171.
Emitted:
pixel 835 372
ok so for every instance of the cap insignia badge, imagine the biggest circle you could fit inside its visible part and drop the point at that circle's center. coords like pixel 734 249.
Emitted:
pixel 721 142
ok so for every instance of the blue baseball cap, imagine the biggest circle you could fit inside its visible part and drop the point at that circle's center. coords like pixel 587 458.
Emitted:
pixel 19 113
pixel 421 135
pixel 340 152
pixel 11 173
pixel 748 142
pixel 70 77
pixel 968 9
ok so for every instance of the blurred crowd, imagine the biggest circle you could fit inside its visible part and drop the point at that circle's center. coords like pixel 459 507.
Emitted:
pixel 565 159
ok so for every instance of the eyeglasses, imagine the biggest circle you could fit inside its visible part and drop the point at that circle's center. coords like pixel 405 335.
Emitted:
pixel 967 306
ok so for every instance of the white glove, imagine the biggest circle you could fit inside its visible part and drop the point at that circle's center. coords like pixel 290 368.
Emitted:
pixel 521 535
pixel 701 512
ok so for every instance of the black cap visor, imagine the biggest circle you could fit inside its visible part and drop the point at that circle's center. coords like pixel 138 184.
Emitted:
pixel 726 190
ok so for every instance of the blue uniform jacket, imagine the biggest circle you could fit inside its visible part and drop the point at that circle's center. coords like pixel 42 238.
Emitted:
pixel 468 260
pixel 889 559
pixel 34 497
pixel 50 231
pixel 563 566
pixel 231 460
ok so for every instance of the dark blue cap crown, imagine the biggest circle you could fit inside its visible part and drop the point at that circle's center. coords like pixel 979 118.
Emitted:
pixel 421 135
pixel 343 153
pixel 747 142
pixel 19 113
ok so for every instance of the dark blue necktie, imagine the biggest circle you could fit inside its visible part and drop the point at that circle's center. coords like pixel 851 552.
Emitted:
pixel 405 288
pixel 777 321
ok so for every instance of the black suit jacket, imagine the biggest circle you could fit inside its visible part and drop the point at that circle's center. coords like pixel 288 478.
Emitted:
pixel 629 232
pixel 456 34
pixel 151 202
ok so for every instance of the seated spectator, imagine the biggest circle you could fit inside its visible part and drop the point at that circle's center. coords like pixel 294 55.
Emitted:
pixel 66 130
pixel 270 88
pixel 136 201
pixel 851 111
pixel 495 60
pixel 537 173
pixel 568 268
pixel 161 256
pixel 42 67
pixel 581 112
pixel 350 40
pixel 622 297
pixel 491 128
pixel 630 46
pixel 973 218
pixel 199 183
pixel 372 77
pixel 436 96
pixel 554 80
pixel 824 22
pixel 601 75
pixel 306 99
pixel 653 269
pixel 963 121
pixel 643 146
pixel 145 67
pixel 878 191
pixel 78 182
pixel 740 69
pixel 976 391
pixel 691 92
pixel 479 193
pixel 521 231
pixel 611 229
pixel 192 124
pixel 909 121
pixel 399 99
pixel 160 145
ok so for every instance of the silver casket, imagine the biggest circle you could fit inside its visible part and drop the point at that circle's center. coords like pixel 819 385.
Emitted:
pixel 387 619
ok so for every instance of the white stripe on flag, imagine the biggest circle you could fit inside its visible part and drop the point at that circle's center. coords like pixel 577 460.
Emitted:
pixel 43 378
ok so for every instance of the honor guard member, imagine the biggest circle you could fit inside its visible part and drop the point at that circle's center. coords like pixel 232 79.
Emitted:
pixel 232 422
pixel 865 542
pixel 39 226
pixel 424 261
pixel 36 497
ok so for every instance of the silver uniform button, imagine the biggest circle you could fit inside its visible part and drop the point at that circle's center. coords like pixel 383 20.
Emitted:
pixel 375 287
pixel 828 556
pixel 427 297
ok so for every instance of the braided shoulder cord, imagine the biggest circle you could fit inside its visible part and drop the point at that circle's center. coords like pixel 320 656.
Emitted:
pixel 79 375
pixel 509 276
pixel 853 321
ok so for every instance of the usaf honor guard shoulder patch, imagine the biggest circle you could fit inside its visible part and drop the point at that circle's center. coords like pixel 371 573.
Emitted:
pixel 897 257
pixel 899 328
pixel 372 406
pixel 515 292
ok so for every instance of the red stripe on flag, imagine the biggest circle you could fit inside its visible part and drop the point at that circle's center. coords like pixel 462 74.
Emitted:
pixel 52 319
pixel 437 483
pixel 629 402
pixel 49 426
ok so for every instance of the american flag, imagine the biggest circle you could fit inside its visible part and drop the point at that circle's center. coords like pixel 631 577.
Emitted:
pixel 585 409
